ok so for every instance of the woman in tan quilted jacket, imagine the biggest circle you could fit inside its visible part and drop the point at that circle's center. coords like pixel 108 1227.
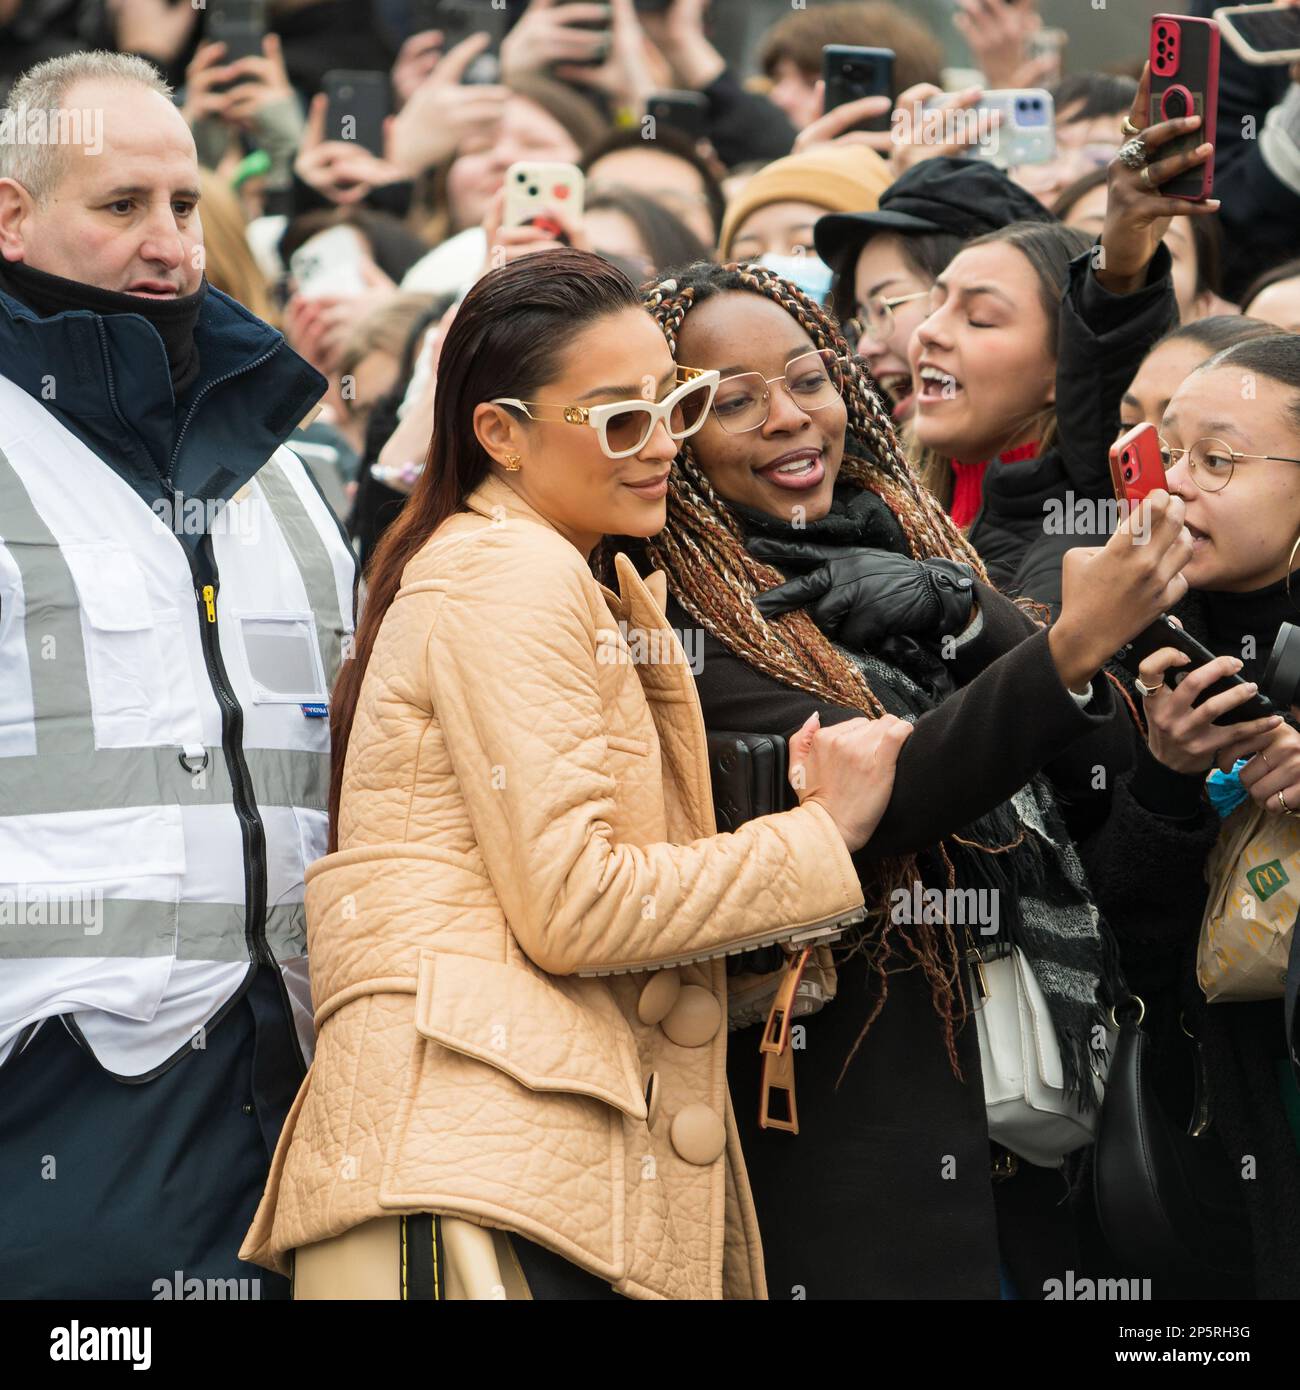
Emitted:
pixel 517 944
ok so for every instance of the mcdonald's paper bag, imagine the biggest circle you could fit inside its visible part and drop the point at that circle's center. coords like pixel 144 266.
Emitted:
pixel 1254 877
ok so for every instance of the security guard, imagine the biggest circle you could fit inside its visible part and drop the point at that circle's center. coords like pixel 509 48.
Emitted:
pixel 175 600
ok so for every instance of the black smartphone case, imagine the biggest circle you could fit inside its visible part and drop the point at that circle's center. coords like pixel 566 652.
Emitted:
pixel 851 75
pixel 1163 633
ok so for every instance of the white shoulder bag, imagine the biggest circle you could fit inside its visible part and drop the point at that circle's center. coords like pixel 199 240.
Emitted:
pixel 1029 1111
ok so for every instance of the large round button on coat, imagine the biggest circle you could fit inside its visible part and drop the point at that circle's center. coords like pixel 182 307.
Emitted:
pixel 698 1134
pixel 658 996
pixel 695 1018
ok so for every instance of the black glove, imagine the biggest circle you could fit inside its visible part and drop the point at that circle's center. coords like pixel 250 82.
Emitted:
pixel 859 596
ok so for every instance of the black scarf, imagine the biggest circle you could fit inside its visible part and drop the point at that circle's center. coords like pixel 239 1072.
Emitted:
pixel 1241 625
pixel 174 320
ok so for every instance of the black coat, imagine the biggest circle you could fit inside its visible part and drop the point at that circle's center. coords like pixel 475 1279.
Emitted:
pixel 1028 518
pixel 1145 860
pixel 892 1171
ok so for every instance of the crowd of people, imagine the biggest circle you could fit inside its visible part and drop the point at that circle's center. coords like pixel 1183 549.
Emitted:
pixel 486 702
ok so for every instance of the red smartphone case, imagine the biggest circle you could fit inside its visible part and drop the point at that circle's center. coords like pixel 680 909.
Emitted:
pixel 1184 55
pixel 1136 468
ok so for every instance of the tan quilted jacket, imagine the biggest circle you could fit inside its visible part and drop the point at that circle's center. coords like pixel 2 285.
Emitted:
pixel 525 808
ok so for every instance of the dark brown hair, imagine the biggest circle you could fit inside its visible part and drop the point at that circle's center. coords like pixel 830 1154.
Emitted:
pixel 509 338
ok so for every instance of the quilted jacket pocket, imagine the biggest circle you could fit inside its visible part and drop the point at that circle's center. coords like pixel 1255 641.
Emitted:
pixel 527 1027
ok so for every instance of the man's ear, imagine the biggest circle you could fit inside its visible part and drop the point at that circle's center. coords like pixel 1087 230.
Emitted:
pixel 498 431
pixel 15 208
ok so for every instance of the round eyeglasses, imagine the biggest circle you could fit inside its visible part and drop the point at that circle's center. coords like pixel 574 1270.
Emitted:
pixel 624 427
pixel 1211 462
pixel 875 317
pixel 744 402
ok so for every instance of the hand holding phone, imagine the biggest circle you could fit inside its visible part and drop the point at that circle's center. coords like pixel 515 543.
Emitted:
pixel 534 190
pixel 1137 468
pixel 358 105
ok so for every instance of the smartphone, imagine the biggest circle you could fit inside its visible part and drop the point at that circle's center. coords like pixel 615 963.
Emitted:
pixel 1136 467
pixel 1165 633
pixel 1185 82
pixel 1266 35
pixel 241 26
pixel 359 102
pixel 852 73
pixel 535 190
pixel 1026 129
pixel 329 263
pixel 684 111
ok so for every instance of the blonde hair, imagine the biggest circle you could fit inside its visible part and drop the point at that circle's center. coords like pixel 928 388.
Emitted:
pixel 228 259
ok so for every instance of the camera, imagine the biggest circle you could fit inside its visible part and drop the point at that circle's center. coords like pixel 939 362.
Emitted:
pixel 1282 674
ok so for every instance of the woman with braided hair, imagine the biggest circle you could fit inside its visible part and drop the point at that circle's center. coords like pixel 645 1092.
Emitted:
pixel 827 579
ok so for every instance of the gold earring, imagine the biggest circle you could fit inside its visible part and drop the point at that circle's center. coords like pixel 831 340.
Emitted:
pixel 512 463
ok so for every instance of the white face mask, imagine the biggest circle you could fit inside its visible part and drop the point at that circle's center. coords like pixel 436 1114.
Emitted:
pixel 810 273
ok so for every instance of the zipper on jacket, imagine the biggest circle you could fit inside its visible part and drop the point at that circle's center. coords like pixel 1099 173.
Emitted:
pixel 252 830
pixel 198 400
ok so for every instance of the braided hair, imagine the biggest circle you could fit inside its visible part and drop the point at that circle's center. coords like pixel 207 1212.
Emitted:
pixel 715 579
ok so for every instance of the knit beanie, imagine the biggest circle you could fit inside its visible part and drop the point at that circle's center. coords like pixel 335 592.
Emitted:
pixel 839 178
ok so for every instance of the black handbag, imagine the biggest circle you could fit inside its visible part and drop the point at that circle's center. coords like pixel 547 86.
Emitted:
pixel 748 772
pixel 1168 1199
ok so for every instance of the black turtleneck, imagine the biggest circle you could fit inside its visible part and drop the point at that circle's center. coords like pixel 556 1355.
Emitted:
pixel 1245 625
pixel 174 320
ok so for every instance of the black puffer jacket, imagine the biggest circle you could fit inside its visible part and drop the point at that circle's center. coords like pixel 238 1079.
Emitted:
pixel 1029 518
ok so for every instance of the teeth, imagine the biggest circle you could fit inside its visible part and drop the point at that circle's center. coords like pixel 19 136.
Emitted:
pixel 799 466
pixel 944 379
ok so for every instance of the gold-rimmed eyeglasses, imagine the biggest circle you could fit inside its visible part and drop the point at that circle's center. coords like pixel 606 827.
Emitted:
pixel 1211 462
pixel 812 381
pixel 875 318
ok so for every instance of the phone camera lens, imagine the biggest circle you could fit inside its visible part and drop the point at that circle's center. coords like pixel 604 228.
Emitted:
pixel 847 70
pixel 521 178
pixel 534 191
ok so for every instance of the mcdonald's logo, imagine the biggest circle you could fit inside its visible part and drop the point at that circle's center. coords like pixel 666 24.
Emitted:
pixel 1267 879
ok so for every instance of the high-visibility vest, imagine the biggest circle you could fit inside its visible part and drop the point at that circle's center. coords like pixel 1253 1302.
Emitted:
pixel 164 744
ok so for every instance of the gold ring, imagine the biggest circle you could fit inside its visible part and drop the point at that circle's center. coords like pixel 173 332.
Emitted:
pixel 1146 691
pixel 1145 176
pixel 1129 128
pixel 1264 759
pixel 1281 801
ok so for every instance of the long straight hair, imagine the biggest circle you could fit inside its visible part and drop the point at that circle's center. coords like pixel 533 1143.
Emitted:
pixel 509 338
pixel 1049 247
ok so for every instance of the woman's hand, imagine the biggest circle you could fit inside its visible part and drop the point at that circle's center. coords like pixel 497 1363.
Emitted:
pixel 634 67
pixel 416 59
pixel 1137 213
pixel 441 111
pixel 154 28
pixel 265 82
pixel 547 33
pixel 679 35
pixel 1111 592
pixel 507 244
pixel 998 32
pixel 909 138
pixel 342 170
pixel 859 596
pixel 1274 768
pixel 848 769
pixel 1186 739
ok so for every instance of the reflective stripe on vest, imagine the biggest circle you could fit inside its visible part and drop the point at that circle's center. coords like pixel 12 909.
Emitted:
pixel 67 773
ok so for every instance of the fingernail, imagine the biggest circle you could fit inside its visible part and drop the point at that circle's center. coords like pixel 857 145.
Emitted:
pixel 1236 665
